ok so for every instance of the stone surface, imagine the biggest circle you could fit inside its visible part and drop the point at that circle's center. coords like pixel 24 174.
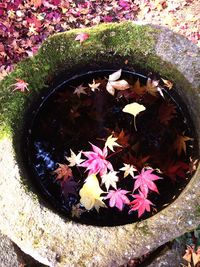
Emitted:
pixel 25 218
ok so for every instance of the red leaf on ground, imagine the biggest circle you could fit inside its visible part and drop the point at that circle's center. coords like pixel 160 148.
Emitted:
pixel 82 37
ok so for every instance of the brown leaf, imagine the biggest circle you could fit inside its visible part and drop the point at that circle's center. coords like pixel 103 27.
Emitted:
pixel 138 89
pixel 180 143
pixel 167 83
pixel 63 172
pixel 195 258
pixel 151 87
pixel 122 138
pixel 166 112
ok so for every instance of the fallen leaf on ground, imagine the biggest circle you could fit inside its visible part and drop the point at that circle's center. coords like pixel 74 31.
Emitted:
pixel 20 85
pixel 82 37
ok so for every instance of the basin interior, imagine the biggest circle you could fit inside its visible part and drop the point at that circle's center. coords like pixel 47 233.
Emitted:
pixel 63 121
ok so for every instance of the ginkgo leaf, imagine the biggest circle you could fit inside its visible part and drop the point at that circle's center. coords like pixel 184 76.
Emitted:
pixel 115 76
pixel 94 86
pixel 128 170
pixel 111 142
pixel 110 179
pixel 74 159
pixel 180 143
pixel 90 194
pixel 80 90
pixel 134 109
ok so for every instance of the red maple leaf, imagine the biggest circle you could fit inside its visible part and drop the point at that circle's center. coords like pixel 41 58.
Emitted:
pixel 82 37
pixel 117 198
pixel 144 181
pixel 177 169
pixel 63 172
pixel 140 204
pixel 69 186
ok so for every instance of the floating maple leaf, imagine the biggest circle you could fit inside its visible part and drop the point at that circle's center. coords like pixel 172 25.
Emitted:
pixel 63 172
pixel 74 159
pixel 128 170
pixel 152 87
pixel 20 85
pixel 114 84
pixel 69 186
pixel 177 169
pixel 82 37
pixel 111 142
pixel 96 162
pixel 90 194
pixel 144 181
pixel 110 179
pixel 180 143
pixel 77 210
pixel 117 198
pixel 122 138
pixel 80 90
pixel 134 109
pixel 94 86
pixel 168 84
pixel 166 112
pixel 140 204
pixel 138 89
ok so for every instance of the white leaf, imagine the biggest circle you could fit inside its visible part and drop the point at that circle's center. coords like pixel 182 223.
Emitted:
pixel 120 85
pixel 110 89
pixel 110 142
pixel 115 76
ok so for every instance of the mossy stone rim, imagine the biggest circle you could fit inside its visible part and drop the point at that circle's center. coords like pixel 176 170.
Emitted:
pixel 42 233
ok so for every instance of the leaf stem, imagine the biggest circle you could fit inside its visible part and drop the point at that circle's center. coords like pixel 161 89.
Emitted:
pixel 134 121
pixel 114 153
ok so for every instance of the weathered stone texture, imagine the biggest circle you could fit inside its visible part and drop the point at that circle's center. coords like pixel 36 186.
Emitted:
pixel 52 239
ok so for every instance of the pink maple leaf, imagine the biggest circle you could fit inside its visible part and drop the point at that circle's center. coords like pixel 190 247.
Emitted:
pixel 20 85
pixel 140 204
pixel 117 198
pixel 82 37
pixel 96 162
pixel 144 181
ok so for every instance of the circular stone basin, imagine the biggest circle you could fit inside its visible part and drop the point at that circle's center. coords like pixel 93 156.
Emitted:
pixel 149 157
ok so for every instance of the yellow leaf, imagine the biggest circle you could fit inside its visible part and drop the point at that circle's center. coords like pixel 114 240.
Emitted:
pixel 90 194
pixel 134 109
pixel 168 84
pixel 111 142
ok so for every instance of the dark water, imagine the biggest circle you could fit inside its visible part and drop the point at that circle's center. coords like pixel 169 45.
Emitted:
pixel 64 121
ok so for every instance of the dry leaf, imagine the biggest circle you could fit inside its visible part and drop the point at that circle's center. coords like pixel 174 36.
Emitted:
pixel 166 112
pixel 195 258
pixel 94 86
pixel 120 85
pixel 115 76
pixel 168 84
pixel 151 87
pixel 138 89
pixel 180 143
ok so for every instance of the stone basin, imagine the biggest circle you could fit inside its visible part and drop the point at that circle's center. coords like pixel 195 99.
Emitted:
pixel 25 218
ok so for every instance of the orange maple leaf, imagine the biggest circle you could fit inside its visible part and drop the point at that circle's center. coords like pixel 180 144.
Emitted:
pixel 180 143
pixel 63 172
pixel 166 112
pixel 138 89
